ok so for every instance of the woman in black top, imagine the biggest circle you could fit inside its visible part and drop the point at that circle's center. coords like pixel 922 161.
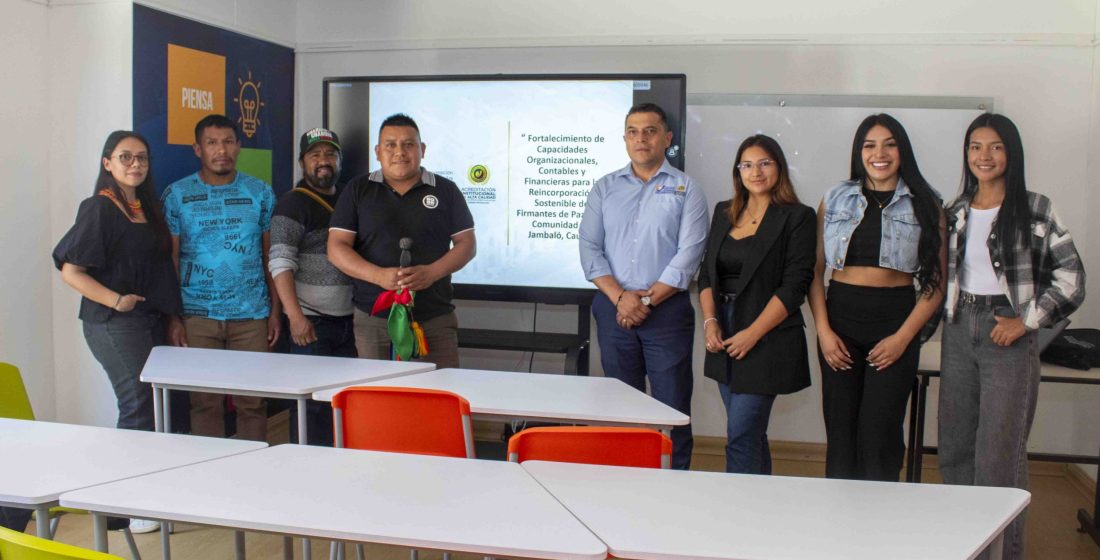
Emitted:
pixel 756 271
pixel 118 256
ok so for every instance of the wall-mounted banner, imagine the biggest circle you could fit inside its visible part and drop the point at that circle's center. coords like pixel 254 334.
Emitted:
pixel 185 70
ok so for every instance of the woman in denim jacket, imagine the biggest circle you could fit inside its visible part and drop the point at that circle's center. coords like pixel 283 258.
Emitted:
pixel 878 232
pixel 1012 268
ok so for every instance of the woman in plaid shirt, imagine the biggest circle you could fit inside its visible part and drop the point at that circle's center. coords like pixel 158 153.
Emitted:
pixel 1012 268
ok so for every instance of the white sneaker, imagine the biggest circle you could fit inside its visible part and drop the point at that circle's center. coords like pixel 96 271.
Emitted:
pixel 140 526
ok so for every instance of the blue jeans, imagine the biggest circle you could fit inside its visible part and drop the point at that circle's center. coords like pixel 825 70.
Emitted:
pixel 335 337
pixel 659 349
pixel 987 403
pixel 747 416
pixel 121 345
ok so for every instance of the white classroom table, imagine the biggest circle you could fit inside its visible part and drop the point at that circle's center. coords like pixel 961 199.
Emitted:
pixel 659 514
pixel 417 501
pixel 41 460
pixel 258 374
pixel 580 399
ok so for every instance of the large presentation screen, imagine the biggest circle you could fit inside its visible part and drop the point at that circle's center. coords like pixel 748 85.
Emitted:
pixel 524 150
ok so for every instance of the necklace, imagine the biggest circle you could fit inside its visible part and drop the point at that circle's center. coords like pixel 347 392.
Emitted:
pixel 751 216
pixel 881 203
pixel 134 205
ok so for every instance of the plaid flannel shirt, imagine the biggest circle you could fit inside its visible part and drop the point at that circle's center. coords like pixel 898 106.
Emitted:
pixel 1047 280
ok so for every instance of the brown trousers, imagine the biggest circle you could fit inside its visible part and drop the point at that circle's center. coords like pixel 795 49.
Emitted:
pixel 208 409
pixel 372 341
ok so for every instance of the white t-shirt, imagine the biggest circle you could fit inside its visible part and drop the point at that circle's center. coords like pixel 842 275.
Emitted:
pixel 978 276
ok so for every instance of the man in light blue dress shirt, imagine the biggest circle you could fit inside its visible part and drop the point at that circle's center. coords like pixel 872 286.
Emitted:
pixel 641 240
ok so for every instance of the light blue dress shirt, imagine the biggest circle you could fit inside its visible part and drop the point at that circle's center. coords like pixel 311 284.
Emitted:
pixel 641 233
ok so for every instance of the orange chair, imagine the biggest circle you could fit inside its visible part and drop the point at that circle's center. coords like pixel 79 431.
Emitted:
pixel 403 420
pixel 595 445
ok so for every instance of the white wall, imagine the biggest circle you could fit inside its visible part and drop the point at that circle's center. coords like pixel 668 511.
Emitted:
pixel 1036 60
pixel 25 199
pixel 271 20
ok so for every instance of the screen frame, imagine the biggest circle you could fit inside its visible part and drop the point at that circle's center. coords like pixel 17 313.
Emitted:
pixel 512 293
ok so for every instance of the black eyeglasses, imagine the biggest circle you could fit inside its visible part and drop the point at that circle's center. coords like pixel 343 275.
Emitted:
pixel 127 159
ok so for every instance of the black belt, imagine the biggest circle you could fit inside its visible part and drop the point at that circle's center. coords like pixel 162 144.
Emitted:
pixel 726 297
pixel 999 300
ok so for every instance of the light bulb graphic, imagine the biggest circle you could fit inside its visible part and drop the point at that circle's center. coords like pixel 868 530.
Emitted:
pixel 249 103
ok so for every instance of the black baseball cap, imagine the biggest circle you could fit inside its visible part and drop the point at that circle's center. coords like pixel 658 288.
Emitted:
pixel 317 135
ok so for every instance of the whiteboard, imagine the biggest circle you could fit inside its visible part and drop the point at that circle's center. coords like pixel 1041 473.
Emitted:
pixel 816 133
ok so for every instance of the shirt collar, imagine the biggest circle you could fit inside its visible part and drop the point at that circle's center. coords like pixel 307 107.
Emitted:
pixel 426 177
pixel 628 171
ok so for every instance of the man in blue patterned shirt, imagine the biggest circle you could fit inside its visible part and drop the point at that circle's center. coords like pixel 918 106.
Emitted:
pixel 641 240
pixel 219 220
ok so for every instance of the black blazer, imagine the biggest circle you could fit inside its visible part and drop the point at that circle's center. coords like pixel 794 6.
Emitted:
pixel 780 263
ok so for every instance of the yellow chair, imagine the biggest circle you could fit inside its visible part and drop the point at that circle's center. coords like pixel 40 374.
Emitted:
pixel 14 403
pixel 21 546
pixel 13 394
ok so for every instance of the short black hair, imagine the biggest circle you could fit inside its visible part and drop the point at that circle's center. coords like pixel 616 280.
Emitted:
pixel 215 121
pixel 650 108
pixel 399 119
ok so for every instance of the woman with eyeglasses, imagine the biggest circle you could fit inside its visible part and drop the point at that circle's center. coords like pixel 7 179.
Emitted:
pixel 878 232
pixel 756 270
pixel 118 257
pixel 1012 269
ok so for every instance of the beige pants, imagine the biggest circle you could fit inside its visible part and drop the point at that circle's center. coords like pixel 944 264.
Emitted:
pixel 372 341
pixel 208 409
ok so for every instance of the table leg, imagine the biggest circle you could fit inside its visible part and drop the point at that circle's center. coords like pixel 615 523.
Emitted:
pixel 302 436
pixel 165 545
pixel 42 522
pixel 288 548
pixel 238 544
pixel 166 396
pixel 996 548
pixel 158 410
pixel 99 529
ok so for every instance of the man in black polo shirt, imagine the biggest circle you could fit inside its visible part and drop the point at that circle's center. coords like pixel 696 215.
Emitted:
pixel 373 213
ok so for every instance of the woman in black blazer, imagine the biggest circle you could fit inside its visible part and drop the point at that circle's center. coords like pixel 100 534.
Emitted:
pixel 756 271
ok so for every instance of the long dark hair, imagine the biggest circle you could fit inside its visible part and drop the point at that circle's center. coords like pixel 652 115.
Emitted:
pixel 926 203
pixel 782 192
pixel 146 192
pixel 1014 217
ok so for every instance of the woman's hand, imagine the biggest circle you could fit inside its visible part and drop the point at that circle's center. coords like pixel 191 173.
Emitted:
pixel 712 334
pixel 887 351
pixel 126 303
pixel 832 348
pixel 739 345
pixel 1007 330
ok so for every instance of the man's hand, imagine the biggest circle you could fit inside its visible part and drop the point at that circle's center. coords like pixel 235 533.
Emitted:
pixel 386 278
pixel 631 309
pixel 416 278
pixel 177 334
pixel 274 327
pixel 1007 330
pixel 301 331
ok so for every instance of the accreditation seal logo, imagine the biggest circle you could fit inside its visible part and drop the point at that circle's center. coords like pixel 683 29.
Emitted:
pixel 430 202
pixel 478 174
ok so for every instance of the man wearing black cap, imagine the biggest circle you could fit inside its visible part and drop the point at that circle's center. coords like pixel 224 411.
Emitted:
pixel 316 296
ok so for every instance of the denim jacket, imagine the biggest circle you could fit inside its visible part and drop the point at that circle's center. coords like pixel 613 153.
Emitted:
pixel 844 205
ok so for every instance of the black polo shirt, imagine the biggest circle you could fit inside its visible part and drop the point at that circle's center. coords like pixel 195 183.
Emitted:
pixel 429 214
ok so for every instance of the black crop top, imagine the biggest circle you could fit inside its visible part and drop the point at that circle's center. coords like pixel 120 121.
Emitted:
pixel 865 244
pixel 123 256
pixel 732 254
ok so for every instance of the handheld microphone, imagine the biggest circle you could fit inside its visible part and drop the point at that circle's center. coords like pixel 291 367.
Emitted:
pixel 406 258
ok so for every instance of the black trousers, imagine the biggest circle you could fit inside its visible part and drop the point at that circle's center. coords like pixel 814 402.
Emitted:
pixel 864 406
